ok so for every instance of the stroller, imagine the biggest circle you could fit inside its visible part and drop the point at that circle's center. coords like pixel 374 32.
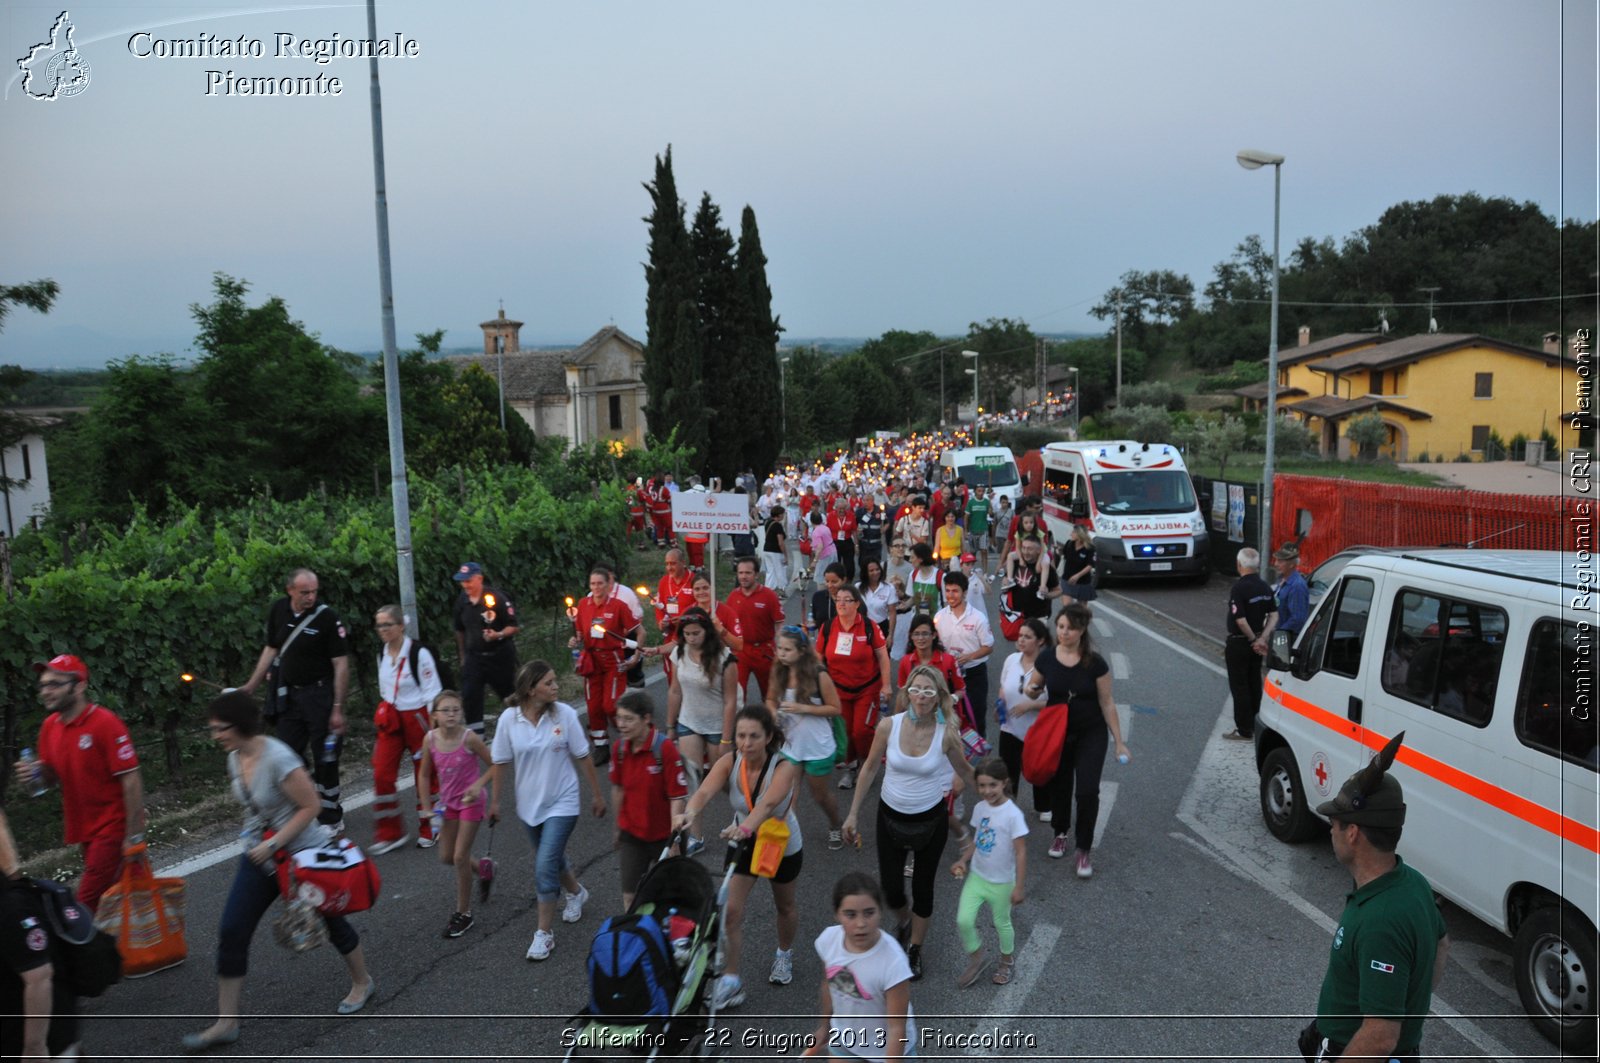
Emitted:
pixel 653 969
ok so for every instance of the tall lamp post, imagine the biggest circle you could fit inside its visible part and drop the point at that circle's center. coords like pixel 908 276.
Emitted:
pixel 1075 400
pixel 1254 160
pixel 783 397
pixel 974 371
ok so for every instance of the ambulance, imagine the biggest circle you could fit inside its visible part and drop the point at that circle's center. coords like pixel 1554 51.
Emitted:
pixel 993 467
pixel 1486 660
pixel 1136 499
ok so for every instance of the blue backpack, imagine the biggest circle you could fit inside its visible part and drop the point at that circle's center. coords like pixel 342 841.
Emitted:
pixel 630 969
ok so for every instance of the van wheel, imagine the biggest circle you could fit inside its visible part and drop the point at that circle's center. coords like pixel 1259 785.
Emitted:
pixel 1283 803
pixel 1554 956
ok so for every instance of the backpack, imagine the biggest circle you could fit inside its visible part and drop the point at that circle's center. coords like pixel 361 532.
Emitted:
pixel 630 969
pixel 85 957
pixel 447 674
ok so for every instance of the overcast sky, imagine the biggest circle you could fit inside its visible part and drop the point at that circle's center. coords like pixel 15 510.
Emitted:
pixel 914 164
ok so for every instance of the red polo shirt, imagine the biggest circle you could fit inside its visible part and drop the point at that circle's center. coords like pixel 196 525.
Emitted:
pixel 648 788
pixel 675 596
pixel 88 755
pixel 617 619
pixel 759 616
pixel 857 666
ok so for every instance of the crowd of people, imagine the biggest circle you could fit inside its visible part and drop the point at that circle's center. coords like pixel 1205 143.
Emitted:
pixel 886 671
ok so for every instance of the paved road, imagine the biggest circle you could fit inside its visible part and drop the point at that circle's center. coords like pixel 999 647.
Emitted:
pixel 1198 937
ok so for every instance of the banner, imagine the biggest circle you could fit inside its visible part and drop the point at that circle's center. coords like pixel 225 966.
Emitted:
pixel 701 511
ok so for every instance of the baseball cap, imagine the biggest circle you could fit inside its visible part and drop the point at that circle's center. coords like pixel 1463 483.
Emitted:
pixel 66 664
pixel 1371 797
pixel 967 559
pixel 467 571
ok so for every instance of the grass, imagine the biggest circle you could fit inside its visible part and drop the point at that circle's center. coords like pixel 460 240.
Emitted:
pixel 1249 466
pixel 184 811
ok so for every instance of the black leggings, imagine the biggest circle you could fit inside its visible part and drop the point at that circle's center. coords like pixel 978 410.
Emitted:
pixel 892 858
pixel 1083 758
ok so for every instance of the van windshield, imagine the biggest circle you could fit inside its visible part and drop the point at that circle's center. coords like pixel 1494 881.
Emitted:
pixel 1153 491
pixel 1001 475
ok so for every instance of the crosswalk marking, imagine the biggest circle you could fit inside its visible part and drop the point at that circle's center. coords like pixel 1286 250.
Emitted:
pixel 1032 959
pixel 1119 665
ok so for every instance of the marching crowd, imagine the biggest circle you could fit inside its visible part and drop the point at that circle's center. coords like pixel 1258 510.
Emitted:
pixel 886 675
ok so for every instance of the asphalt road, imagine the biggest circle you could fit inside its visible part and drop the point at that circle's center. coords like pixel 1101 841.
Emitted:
pixel 1199 936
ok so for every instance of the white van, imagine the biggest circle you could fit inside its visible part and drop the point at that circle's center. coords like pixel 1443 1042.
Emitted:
pixel 1485 659
pixel 1136 498
pixel 993 467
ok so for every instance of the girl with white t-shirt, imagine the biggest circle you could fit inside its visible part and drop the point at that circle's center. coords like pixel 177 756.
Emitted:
pixel 539 747
pixel 997 855
pixel 865 1011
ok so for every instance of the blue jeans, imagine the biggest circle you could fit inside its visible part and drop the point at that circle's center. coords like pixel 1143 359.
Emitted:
pixel 253 891
pixel 549 841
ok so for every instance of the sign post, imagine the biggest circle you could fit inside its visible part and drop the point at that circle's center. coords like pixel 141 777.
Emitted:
pixel 713 514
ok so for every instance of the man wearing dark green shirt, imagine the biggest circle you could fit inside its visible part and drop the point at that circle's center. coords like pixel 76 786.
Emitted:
pixel 1390 948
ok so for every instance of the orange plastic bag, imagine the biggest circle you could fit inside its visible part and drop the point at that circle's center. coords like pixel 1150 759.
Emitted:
pixel 145 915
pixel 772 837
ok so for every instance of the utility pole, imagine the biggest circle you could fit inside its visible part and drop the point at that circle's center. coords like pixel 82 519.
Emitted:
pixel 1119 348
pixel 1039 370
pixel 941 389
pixel 391 357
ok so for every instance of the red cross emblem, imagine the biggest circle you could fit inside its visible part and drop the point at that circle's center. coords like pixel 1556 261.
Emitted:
pixel 1321 771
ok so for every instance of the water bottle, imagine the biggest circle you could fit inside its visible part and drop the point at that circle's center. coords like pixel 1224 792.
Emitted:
pixel 33 771
pixel 1000 710
pixel 330 749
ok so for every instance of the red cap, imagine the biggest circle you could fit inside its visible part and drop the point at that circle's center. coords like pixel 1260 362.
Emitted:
pixel 967 559
pixel 66 664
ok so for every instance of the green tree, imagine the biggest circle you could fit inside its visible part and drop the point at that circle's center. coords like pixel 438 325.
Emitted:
pixel 1367 433
pixel 1144 424
pixel 38 296
pixel 759 412
pixel 1151 302
pixel 1096 361
pixel 1006 354
pixel 724 377
pixel 673 362
pixel 1218 439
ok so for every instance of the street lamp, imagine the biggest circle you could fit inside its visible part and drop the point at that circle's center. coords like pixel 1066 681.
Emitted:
pixel 1254 160
pixel 1075 400
pixel 974 371
pixel 783 397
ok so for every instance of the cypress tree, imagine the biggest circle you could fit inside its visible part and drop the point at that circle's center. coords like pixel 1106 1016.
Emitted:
pixel 760 408
pixel 724 374
pixel 672 358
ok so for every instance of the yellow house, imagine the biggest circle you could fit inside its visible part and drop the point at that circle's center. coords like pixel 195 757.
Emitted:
pixel 1295 378
pixel 1441 394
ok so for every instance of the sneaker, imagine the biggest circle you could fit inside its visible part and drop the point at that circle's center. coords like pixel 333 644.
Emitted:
pixel 572 911
pixel 1239 736
pixel 543 942
pixel 1058 848
pixel 782 967
pixel 695 847
pixel 460 923
pixel 379 848
pixel 847 781
pixel 426 842
pixel 914 958
pixel 729 992
pixel 1085 869
pixel 601 754
pixel 835 839
pixel 1044 817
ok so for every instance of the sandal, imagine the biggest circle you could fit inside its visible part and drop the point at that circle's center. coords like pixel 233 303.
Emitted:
pixel 1002 973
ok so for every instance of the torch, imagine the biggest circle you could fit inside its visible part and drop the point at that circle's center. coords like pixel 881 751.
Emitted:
pixel 190 677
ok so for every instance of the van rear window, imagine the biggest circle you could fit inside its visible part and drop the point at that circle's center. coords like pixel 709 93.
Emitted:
pixel 1444 653
pixel 1555 703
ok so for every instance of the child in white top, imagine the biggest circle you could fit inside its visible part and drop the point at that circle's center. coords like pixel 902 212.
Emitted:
pixel 998 857
pixel 866 981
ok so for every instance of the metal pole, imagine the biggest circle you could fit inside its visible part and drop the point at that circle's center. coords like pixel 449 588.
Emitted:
pixel 1272 379
pixel 500 351
pixel 941 389
pixel 391 356
pixel 1119 348
pixel 974 402
pixel 1077 400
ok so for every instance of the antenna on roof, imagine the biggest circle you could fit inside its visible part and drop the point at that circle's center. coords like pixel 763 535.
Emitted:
pixel 1433 322
pixel 1383 320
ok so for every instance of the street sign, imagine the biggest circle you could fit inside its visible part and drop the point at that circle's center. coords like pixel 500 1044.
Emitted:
pixel 701 511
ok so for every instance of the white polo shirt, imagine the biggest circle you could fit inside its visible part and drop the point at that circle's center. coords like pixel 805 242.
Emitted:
pixel 541 756
pixel 411 691
pixel 964 634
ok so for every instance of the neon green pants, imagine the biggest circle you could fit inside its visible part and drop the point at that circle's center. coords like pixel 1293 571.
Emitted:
pixel 977 891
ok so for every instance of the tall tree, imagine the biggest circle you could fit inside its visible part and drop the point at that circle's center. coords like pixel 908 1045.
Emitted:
pixel 1006 361
pixel 1152 301
pixel 759 411
pixel 673 362
pixel 38 296
pixel 722 382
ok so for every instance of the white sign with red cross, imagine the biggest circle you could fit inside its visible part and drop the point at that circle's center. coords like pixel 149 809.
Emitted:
pixel 701 511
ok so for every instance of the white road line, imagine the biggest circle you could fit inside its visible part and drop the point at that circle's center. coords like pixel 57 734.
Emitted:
pixel 1124 720
pixel 1119 665
pixel 1163 640
pixel 1101 629
pixel 1108 797
pixel 1031 960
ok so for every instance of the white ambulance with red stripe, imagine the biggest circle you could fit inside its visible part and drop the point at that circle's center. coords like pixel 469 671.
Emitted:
pixel 1486 660
pixel 1137 501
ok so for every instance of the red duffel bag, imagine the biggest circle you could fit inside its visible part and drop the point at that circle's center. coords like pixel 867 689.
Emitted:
pixel 337 877
pixel 1041 750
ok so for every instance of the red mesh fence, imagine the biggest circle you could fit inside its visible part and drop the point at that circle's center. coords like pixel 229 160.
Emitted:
pixel 1347 513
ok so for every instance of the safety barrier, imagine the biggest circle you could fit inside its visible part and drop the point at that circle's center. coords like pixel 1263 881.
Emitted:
pixel 1346 513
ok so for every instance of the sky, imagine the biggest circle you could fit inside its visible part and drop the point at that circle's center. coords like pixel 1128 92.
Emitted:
pixel 913 164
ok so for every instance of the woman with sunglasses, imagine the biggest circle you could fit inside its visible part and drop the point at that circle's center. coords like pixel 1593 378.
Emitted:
pixel 921 751
pixel 701 700
pixel 270 781
pixel 807 703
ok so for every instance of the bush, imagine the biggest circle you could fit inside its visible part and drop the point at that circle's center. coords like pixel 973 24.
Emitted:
pixel 1292 439
pixel 1143 424
pixel 1242 375
pixel 1495 448
pixel 1022 438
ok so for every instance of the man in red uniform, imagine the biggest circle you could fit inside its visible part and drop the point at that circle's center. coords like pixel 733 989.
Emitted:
pixel 842 523
pixel 760 613
pixel 603 622
pixel 674 594
pixel 637 508
pixel 86 748
pixel 660 501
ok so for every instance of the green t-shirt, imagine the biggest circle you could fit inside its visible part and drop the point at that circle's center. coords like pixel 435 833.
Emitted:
pixel 978 516
pixel 1381 962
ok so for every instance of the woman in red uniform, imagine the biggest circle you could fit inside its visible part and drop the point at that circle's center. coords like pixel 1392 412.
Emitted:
pixel 856 656
pixel 925 648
